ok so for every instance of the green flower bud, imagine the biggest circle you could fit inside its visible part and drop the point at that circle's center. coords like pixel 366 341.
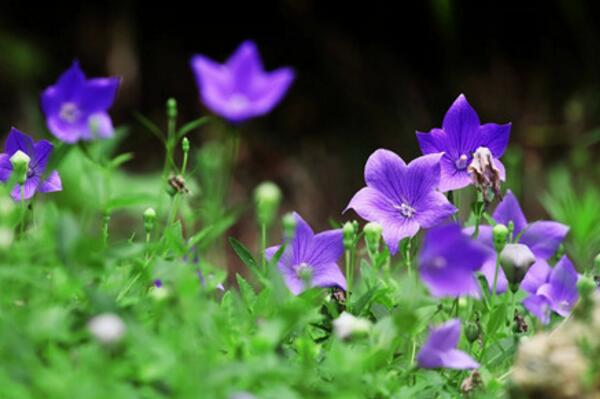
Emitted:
pixel 516 259
pixel 172 108
pixel 500 233
pixel 267 197
pixel 20 164
pixel 472 332
pixel 149 219
pixel 373 231
pixel 185 145
pixel 349 234
pixel 511 230
pixel 289 226
pixel 586 286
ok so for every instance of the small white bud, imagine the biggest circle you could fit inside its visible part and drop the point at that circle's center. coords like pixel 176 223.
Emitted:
pixel 108 328
pixel 347 325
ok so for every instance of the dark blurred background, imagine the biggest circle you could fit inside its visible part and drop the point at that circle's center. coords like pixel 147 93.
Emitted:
pixel 368 75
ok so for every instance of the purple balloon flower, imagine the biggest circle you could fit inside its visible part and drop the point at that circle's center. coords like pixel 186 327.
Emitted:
pixel 39 153
pixel 558 293
pixel 240 89
pixel 439 351
pixel 76 107
pixel 461 134
pixel 448 261
pixel 542 237
pixel 401 198
pixel 313 255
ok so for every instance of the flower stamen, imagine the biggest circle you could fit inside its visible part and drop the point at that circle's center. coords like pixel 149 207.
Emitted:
pixel 406 210
pixel 69 112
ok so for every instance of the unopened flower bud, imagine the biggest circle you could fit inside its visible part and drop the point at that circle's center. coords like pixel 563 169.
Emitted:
pixel 516 259
pixel 500 234
pixel 20 164
pixel 348 231
pixel 347 325
pixel 108 328
pixel 484 173
pixel 185 145
pixel 149 220
pixel 267 197
pixel 586 286
pixel 172 108
pixel 373 232
pixel 289 226
pixel 472 332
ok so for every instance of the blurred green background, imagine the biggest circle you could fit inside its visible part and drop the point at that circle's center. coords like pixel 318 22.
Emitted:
pixel 368 76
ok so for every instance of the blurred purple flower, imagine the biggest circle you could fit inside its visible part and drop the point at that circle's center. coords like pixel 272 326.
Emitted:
pixel 542 237
pixel 558 293
pixel 461 134
pixel 240 89
pixel 315 255
pixel 439 351
pixel 401 198
pixel 76 107
pixel 39 153
pixel 448 261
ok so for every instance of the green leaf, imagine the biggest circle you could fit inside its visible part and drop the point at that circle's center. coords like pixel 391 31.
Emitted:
pixel 150 126
pixel 497 318
pixel 244 254
pixel 128 200
pixel 195 124
pixel 120 160
pixel 247 292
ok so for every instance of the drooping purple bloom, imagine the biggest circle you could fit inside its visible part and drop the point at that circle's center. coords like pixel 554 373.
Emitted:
pixel 240 88
pixel 543 237
pixel 401 198
pixel 448 261
pixel 460 136
pixel 439 351
pixel 558 294
pixel 76 108
pixel 39 153
pixel 315 255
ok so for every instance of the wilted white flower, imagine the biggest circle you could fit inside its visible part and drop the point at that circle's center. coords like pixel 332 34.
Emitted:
pixel 347 325
pixel 107 328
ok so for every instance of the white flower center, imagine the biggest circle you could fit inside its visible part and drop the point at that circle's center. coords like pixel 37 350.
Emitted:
pixel 461 162
pixel 302 270
pixel 238 102
pixel 439 262
pixel 406 210
pixel 69 112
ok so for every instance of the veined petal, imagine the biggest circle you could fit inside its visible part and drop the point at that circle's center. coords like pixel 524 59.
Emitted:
pixel 485 235
pixel 5 167
pixel 291 279
pixel 444 337
pixel 98 94
pixel 461 125
pixel 327 247
pixel 422 178
pixel 302 241
pixel 433 209
pixel 509 209
pixel 328 275
pixel 544 237
pixel 396 230
pixel 41 153
pixel 17 141
pixel 432 142
pixel 495 137
pixel 30 187
pixel 452 178
pixel 539 307
pixel 536 276
pixel 373 206
pixel 51 184
pixel 459 360
pixel 384 172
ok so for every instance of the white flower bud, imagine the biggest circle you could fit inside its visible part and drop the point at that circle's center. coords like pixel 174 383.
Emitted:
pixel 108 328
pixel 347 325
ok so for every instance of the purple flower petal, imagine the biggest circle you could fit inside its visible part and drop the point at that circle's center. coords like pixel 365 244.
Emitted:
pixel 509 209
pixel 495 137
pixel 561 290
pixel 452 178
pixel 327 248
pixel 461 125
pixel 30 187
pixel 536 276
pixel 433 209
pixel 98 94
pixel 245 65
pixel 328 275
pixel 396 230
pixel 17 141
pixel 5 167
pixel 302 242
pixel 384 172
pixel 422 177
pixel 544 237
pixel 69 84
pixel 432 142
pixel 539 307
pixel 485 235
pixel 41 153
pixel 269 91
pixel 439 350
pixel 100 125
pixel 51 184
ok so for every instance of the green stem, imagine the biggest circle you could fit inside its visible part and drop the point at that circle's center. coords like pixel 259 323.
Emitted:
pixel 263 246
pixel 23 212
pixel 348 259
pixel 407 257
pixel 496 271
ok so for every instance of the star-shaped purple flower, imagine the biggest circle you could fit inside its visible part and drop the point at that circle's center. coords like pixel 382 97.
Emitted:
pixel 558 293
pixel 76 107
pixel 240 89
pixel 439 351
pixel 39 153
pixel 448 261
pixel 313 255
pixel 401 198
pixel 542 237
pixel 460 136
